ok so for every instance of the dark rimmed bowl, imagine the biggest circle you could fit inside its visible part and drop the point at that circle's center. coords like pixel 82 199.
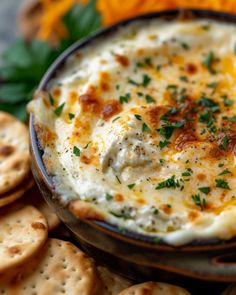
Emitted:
pixel 133 254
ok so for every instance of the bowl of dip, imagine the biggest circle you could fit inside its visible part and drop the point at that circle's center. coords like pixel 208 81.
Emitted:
pixel 133 135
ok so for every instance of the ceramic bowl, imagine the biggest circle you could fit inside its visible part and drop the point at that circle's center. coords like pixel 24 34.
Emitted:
pixel 133 254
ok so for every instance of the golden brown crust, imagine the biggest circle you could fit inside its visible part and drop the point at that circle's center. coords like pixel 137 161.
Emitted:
pixel 85 210
pixel 153 288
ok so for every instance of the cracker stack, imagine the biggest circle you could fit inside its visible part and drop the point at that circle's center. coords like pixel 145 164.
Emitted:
pixel 15 177
pixel 30 262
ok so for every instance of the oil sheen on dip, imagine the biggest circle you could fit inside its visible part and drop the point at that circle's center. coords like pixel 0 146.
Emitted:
pixel 142 126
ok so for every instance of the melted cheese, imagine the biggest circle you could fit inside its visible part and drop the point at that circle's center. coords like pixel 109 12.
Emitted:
pixel 145 129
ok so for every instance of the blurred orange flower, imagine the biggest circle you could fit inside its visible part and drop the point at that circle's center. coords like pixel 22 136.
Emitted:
pixel 114 10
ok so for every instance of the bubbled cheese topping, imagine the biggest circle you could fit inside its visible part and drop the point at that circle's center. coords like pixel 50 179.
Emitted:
pixel 142 125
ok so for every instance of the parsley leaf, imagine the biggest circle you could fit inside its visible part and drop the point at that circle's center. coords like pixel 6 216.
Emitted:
pixel 145 128
pixel 168 183
pixel 130 186
pixel 76 151
pixel 199 202
pixel 221 183
pixel 59 110
pixel 205 190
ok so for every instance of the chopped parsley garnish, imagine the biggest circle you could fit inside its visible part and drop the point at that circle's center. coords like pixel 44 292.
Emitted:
pixel 145 82
pixel 109 197
pixel 121 215
pixel 167 129
pixel 140 93
pixel 59 110
pixel 76 151
pixel 117 118
pixel 206 102
pixel 125 98
pixel 130 186
pixel 188 172
pixel 212 85
pixel 206 27
pixel 185 45
pixel 168 183
pixel 51 99
pixel 162 161
pixel 163 144
pixel 199 202
pixel 145 128
pixel 86 146
pixel 227 102
pixel 205 190
pixel 231 119
pixel 148 61
pixel 225 171
pixel 184 79
pixel 224 142
pixel 138 117
pixel 149 99
pixel 71 116
pixel 221 183
pixel 117 87
pixel 118 179
pixel 221 164
pixel 208 62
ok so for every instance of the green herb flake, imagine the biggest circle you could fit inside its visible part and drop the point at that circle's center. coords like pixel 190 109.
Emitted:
pixel 205 190
pixel 130 186
pixel 221 183
pixel 212 85
pixel 149 99
pixel 224 142
pixel 184 45
pixel 199 202
pixel 109 197
pixel 115 119
pixel 230 119
pixel 221 165
pixel 145 128
pixel 225 171
pixel 163 144
pixel 146 80
pixel 138 117
pixel 118 179
pixel 76 151
pixel 184 79
pixel 168 183
pixel 86 146
pixel 71 116
pixel 208 62
pixel 51 99
pixel 125 216
pixel 59 110
pixel 125 98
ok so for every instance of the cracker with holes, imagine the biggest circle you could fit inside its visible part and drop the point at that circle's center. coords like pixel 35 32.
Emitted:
pixel 59 268
pixel 112 283
pixel 35 198
pixel 153 288
pixel 23 231
pixel 17 192
pixel 14 152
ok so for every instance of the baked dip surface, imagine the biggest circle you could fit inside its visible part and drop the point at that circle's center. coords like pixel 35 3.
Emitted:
pixel 139 129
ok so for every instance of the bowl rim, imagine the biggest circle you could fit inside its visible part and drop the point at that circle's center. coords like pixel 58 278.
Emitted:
pixel 113 230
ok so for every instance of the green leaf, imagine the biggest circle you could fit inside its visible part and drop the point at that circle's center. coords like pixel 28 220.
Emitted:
pixel 76 151
pixel 18 110
pixel 59 110
pixel 15 92
pixel 82 20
